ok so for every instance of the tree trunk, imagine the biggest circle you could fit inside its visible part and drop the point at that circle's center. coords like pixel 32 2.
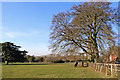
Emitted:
pixel 82 64
pixel 6 62
pixel 96 57
pixel 95 60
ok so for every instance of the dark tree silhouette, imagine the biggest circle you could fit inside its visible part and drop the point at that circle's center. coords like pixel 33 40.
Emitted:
pixel 11 53
pixel 76 64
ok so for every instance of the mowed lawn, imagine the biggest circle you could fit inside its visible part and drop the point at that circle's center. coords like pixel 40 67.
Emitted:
pixel 119 72
pixel 37 70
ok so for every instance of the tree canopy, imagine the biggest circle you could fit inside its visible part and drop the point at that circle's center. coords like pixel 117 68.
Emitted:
pixel 11 52
pixel 86 27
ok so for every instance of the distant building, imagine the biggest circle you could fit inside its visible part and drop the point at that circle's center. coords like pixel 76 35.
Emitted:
pixel 112 57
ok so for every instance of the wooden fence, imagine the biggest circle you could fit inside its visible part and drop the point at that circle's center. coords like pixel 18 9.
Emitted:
pixel 108 69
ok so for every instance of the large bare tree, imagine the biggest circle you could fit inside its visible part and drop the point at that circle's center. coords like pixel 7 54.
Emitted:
pixel 86 27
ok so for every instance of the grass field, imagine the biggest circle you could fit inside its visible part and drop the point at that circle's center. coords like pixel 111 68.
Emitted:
pixel 37 70
pixel 119 72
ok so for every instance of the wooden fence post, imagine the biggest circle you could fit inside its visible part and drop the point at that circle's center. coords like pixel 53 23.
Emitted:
pixel 106 69
pixel 116 69
pixel 101 68
pixel 111 70
pixel 112 67
pixel 95 66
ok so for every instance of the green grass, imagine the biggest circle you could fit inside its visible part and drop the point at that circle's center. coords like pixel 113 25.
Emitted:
pixel 119 72
pixel 37 70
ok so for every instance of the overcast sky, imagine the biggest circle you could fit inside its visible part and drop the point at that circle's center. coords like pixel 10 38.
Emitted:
pixel 28 23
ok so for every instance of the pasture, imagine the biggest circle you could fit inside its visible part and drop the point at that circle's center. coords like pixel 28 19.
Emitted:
pixel 40 70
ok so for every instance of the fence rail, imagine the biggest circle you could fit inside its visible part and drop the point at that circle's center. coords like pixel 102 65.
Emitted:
pixel 108 69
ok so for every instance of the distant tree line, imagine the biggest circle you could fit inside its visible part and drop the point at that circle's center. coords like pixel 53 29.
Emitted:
pixel 103 58
pixel 34 59
pixel 54 58
pixel 12 53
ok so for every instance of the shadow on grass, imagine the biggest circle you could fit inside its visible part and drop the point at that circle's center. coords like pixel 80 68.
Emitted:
pixel 26 64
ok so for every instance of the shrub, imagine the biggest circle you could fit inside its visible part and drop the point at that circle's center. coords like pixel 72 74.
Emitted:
pixel 59 61
pixel 72 61
pixel 67 61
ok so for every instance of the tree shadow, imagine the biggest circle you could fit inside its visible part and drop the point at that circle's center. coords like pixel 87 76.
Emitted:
pixel 26 64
